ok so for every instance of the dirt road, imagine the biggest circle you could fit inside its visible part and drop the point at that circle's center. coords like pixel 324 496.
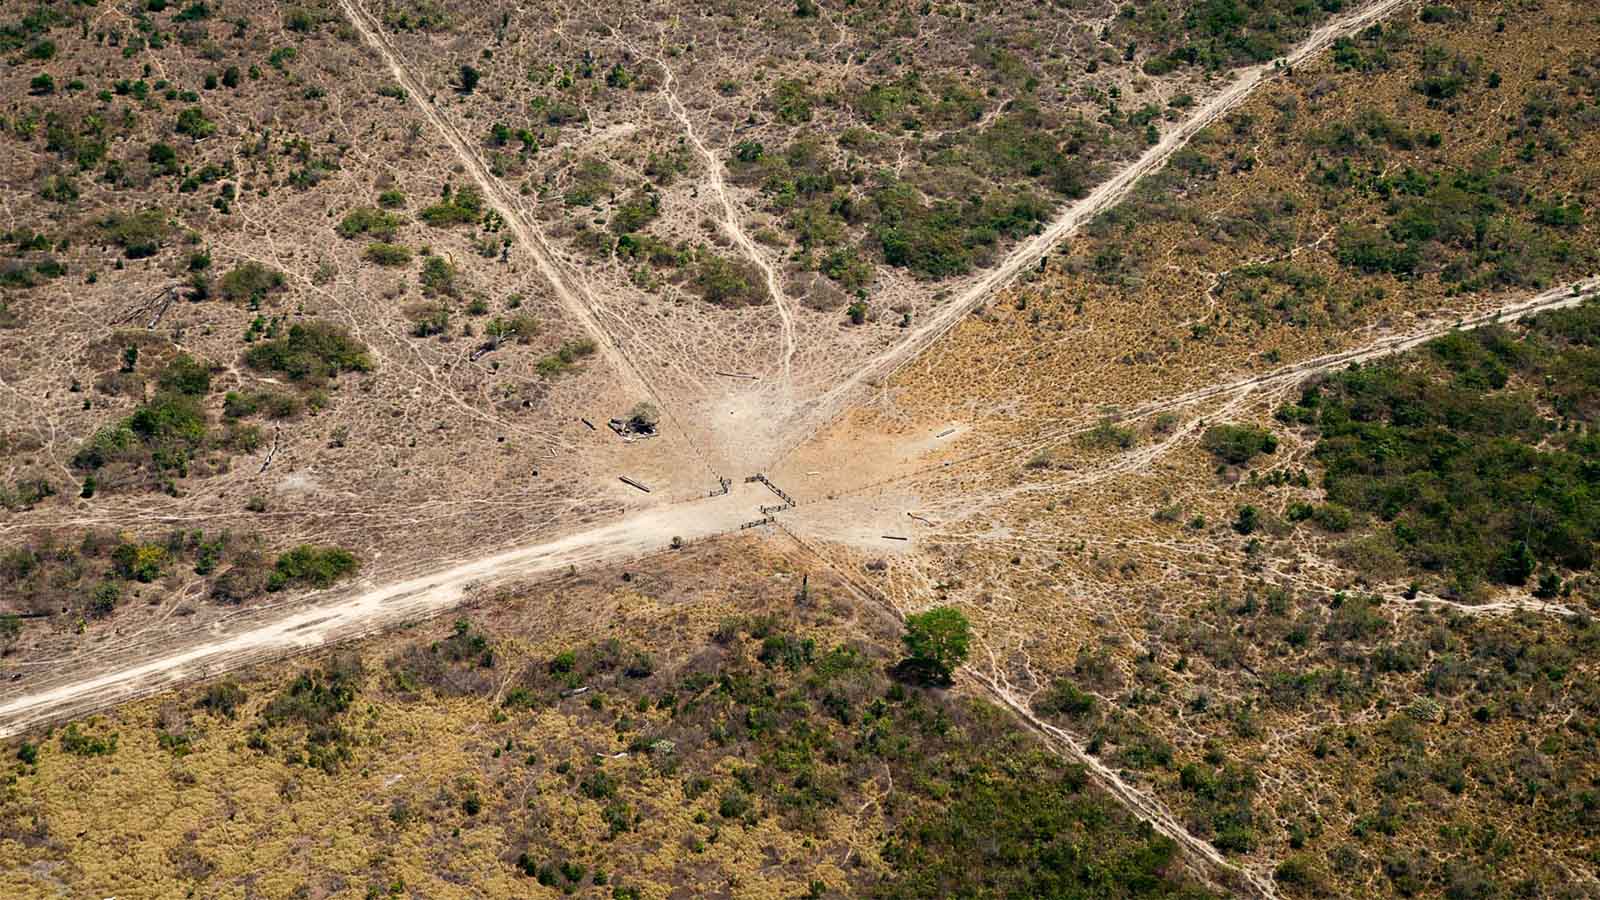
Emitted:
pixel 1109 193
pixel 1560 297
pixel 262 635
pixel 570 291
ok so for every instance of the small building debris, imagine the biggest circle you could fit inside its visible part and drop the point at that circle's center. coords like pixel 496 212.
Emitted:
pixel 641 423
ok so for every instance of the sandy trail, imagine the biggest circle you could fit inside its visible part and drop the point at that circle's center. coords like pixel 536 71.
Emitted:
pixel 1139 802
pixel 1076 214
pixel 1559 297
pixel 263 635
pixel 730 221
pixel 573 295
pixel 353 613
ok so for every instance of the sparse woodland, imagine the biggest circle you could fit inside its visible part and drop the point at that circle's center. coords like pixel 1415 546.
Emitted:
pixel 1195 552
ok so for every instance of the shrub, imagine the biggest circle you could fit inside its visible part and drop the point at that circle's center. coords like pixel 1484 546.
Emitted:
pixel 792 102
pixel 140 562
pixel 1372 251
pixel 727 282
pixel 1064 698
pixel 138 234
pixel 521 327
pixel 223 698
pixel 387 254
pixel 311 352
pixel 186 376
pixel 438 276
pixel 311 566
pixel 163 159
pixel 163 434
pixel 636 211
pixel 1238 444
pixel 374 223
pixel 461 207
pixel 80 743
pixel 1109 435
pixel 193 122
pixel 250 282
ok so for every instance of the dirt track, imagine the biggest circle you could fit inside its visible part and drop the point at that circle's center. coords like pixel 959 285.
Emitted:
pixel 730 223
pixel 1559 297
pixel 266 634
pixel 1073 217
pixel 274 633
pixel 573 294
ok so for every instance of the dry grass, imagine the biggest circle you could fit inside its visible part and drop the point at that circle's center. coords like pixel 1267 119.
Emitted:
pixel 1117 569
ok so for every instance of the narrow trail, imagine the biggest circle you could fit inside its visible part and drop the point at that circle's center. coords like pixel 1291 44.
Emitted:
pixel 730 221
pixel 1561 297
pixel 262 635
pixel 1141 804
pixel 347 615
pixel 574 296
pixel 1104 196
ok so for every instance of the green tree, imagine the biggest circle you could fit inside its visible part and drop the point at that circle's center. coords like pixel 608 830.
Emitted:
pixel 937 642
pixel 469 79
pixel 1238 444
pixel 163 159
pixel 193 122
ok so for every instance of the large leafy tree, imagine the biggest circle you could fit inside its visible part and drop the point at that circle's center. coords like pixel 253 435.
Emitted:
pixel 937 642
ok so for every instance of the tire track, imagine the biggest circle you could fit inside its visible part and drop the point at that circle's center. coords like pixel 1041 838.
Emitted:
pixel 574 297
pixel 730 221
pixel 1102 197
pixel 1562 297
